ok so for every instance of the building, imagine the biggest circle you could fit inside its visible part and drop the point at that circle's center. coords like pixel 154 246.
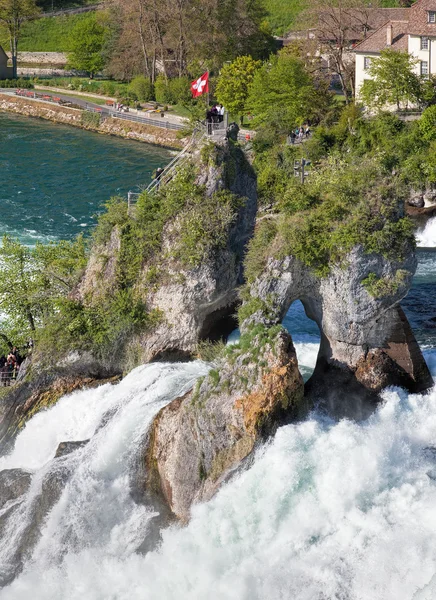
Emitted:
pixel 5 71
pixel 414 32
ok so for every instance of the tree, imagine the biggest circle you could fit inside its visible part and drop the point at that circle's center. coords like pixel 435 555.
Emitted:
pixel 32 281
pixel 234 83
pixel 13 13
pixel 337 25
pixel 392 81
pixel 183 37
pixel 284 94
pixel 87 44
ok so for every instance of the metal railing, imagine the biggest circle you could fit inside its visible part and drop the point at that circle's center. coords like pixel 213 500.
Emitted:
pixel 147 121
pixel 132 199
pixel 8 378
pixel 169 171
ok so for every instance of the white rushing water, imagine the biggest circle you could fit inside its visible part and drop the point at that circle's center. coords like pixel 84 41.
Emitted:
pixel 427 237
pixel 327 511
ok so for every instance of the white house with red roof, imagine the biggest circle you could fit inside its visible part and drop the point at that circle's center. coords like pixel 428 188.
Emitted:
pixel 415 32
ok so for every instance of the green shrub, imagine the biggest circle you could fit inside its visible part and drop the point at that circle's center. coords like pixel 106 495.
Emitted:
pixel 380 287
pixel 179 90
pixel 162 90
pixel 16 83
pixel 141 89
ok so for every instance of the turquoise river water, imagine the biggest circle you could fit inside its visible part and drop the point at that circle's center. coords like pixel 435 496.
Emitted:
pixel 54 178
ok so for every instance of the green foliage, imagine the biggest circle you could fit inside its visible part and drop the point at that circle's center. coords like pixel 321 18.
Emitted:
pixel 141 89
pixel 259 250
pixel 180 91
pixel 90 120
pixel 48 34
pixel 393 81
pixel 16 83
pixel 343 204
pixel 380 287
pixel 427 123
pixel 282 14
pixel 162 90
pixel 32 281
pixel 86 44
pixel 284 94
pixel 234 82
pixel 204 227
pixel 210 351
pixel 115 216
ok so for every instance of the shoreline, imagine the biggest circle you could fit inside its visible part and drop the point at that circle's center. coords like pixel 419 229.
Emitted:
pixel 129 130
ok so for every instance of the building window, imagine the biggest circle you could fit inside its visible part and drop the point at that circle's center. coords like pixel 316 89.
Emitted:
pixel 366 62
pixel 432 16
pixel 424 43
pixel 424 67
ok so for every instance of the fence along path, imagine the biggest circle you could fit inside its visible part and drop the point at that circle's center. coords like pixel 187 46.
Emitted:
pixel 198 135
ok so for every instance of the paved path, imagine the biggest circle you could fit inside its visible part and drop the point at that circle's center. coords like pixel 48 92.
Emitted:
pixel 59 92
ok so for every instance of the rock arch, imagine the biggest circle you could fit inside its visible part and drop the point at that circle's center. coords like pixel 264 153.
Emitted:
pixel 366 340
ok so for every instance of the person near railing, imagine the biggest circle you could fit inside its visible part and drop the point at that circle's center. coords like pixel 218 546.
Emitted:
pixel 157 175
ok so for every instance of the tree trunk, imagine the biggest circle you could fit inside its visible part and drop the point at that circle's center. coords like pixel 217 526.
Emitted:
pixel 14 45
pixel 141 35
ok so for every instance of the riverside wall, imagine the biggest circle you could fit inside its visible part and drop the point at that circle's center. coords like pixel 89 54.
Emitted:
pixel 73 116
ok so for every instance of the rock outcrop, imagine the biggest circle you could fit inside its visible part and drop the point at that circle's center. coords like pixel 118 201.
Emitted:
pixel 193 302
pixel 366 341
pixel 197 441
pixel 39 391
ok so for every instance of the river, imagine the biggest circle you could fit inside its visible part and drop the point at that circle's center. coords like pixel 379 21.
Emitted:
pixel 326 511
pixel 54 178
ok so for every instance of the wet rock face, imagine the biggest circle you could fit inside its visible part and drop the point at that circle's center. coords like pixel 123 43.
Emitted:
pixel 43 390
pixel 199 440
pixel 364 334
pixel 13 484
pixel 65 448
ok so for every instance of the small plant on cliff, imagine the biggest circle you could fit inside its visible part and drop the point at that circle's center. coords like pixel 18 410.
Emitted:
pixel 379 287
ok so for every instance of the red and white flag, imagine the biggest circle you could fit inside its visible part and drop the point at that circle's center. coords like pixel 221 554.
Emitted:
pixel 200 86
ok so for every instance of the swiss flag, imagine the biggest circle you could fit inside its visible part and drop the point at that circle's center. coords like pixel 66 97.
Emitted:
pixel 200 86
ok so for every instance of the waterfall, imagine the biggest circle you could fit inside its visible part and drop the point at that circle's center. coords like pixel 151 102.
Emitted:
pixel 326 510
pixel 94 507
pixel 427 237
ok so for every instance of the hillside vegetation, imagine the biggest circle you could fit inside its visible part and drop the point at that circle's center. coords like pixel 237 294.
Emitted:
pixel 282 14
pixel 48 34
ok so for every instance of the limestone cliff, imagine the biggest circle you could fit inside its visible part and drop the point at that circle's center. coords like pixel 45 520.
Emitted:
pixel 366 341
pixel 188 290
pixel 197 441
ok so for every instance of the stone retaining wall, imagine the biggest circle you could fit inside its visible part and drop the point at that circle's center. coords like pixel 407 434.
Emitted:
pixel 73 116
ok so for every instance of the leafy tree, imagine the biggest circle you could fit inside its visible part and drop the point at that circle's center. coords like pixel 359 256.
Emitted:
pixel 283 94
pixel 393 81
pixel 13 13
pixel 234 83
pixel 87 44
pixel 32 281
pixel 427 123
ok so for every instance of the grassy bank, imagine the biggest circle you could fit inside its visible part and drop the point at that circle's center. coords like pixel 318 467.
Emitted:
pixel 48 34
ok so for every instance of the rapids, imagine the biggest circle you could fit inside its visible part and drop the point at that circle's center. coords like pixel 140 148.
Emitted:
pixel 327 510
pixel 427 236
